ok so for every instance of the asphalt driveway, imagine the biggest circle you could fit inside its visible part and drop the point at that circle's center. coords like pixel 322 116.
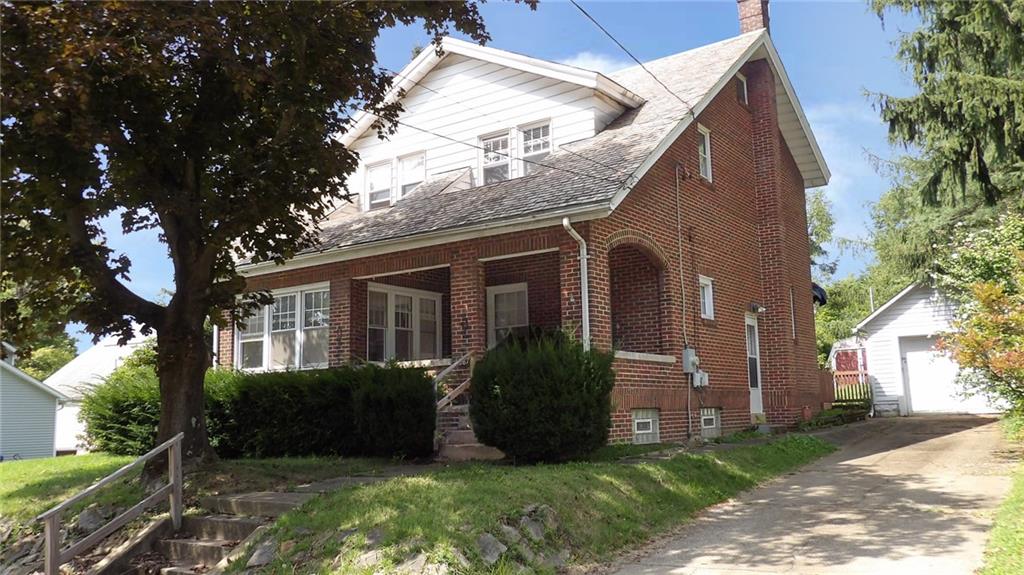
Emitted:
pixel 902 496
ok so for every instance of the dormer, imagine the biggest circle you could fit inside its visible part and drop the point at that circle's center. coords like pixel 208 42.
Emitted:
pixel 497 113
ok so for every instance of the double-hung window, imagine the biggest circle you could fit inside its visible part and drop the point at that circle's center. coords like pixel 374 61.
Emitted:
pixel 704 152
pixel 378 186
pixel 707 297
pixel 291 333
pixel 411 172
pixel 402 324
pixel 536 146
pixel 507 312
pixel 496 159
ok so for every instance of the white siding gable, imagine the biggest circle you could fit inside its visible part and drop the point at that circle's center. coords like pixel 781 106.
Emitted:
pixel 28 415
pixel 922 311
pixel 464 99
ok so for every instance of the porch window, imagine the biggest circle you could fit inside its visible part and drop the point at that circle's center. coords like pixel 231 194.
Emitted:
pixel 290 333
pixel 402 324
pixel 507 312
pixel 536 146
pixel 496 159
pixel 378 186
pixel 412 172
pixel 704 152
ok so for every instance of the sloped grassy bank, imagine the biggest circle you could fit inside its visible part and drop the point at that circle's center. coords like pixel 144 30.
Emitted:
pixel 543 516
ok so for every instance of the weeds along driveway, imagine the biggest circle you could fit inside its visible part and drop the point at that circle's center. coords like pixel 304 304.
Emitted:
pixel 902 496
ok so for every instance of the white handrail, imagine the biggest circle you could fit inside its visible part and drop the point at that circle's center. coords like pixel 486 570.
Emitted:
pixel 448 370
pixel 55 557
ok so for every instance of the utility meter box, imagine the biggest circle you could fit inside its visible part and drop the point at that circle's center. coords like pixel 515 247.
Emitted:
pixel 690 360
pixel 700 378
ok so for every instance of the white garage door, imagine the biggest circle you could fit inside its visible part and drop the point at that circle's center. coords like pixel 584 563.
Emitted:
pixel 930 378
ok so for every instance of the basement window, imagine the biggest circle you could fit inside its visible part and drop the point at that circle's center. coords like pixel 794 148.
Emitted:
pixel 704 152
pixel 645 426
pixel 710 422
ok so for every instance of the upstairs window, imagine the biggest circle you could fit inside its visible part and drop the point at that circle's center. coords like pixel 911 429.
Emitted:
pixel 378 186
pixel 536 146
pixel 412 172
pixel 707 297
pixel 704 152
pixel 496 159
pixel 741 88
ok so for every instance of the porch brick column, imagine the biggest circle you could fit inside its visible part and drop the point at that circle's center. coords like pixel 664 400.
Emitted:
pixel 468 303
pixel 340 339
pixel 597 274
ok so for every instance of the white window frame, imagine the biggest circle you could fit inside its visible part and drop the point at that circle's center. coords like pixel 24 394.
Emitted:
pixel 704 158
pixel 743 84
pixel 706 412
pixel 391 187
pixel 403 180
pixel 389 322
pixel 535 156
pixel 492 337
pixel 299 293
pixel 507 134
pixel 708 283
pixel 647 420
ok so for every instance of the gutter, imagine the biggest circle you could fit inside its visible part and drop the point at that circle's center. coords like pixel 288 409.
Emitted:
pixel 584 284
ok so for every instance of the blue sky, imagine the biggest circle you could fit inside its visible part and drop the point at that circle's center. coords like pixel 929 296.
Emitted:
pixel 833 52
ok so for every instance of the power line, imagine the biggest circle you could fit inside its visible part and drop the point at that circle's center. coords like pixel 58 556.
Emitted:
pixel 689 108
pixel 503 121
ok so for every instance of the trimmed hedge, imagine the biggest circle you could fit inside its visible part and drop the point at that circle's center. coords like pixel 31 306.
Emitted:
pixel 543 398
pixel 367 410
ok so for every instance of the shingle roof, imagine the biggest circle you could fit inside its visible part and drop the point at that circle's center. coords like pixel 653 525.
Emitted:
pixel 583 174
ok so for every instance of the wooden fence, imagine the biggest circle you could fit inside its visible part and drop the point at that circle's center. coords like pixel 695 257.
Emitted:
pixel 852 387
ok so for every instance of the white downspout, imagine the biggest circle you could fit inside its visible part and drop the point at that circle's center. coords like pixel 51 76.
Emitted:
pixel 584 283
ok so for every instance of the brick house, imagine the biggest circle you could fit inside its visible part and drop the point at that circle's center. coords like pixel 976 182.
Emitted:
pixel 683 202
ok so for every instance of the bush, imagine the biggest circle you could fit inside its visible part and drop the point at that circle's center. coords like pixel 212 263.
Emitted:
pixel 408 399
pixel 543 398
pixel 121 414
pixel 344 411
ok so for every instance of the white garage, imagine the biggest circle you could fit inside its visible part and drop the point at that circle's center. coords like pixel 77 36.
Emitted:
pixel 908 374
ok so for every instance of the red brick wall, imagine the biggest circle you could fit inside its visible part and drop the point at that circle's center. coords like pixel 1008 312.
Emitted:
pixel 541 274
pixel 636 304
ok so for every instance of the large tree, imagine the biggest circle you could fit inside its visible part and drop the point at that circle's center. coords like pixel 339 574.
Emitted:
pixel 967 60
pixel 213 122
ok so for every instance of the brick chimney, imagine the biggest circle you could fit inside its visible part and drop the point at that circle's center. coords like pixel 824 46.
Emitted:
pixel 753 15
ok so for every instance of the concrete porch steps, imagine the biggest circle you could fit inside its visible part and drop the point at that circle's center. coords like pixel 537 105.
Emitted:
pixel 458 441
pixel 258 504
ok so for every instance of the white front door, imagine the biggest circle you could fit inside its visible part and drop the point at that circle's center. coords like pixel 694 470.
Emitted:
pixel 754 365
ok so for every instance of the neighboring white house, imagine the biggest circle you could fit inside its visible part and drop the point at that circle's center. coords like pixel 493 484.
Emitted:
pixel 75 378
pixel 28 413
pixel 907 373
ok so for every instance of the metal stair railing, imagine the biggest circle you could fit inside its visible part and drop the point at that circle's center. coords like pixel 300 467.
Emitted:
pixel 55 556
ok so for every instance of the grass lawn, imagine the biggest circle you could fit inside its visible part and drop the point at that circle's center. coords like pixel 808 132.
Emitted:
pixel 600 507
pixel 1004 554
pixel 29 487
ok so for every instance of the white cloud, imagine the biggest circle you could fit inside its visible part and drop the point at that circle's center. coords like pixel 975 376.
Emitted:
pixel 597 62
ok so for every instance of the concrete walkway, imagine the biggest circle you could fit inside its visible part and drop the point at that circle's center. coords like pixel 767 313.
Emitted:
pixel 903 496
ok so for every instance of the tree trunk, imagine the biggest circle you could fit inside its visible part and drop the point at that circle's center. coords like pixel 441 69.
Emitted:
pixel 182 361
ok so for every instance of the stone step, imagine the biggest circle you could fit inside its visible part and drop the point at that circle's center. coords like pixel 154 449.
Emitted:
pixel 183 569
pixel 467 452
pixel 230 527
pixel 194 551
pixel 460 437
pixel 259 504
